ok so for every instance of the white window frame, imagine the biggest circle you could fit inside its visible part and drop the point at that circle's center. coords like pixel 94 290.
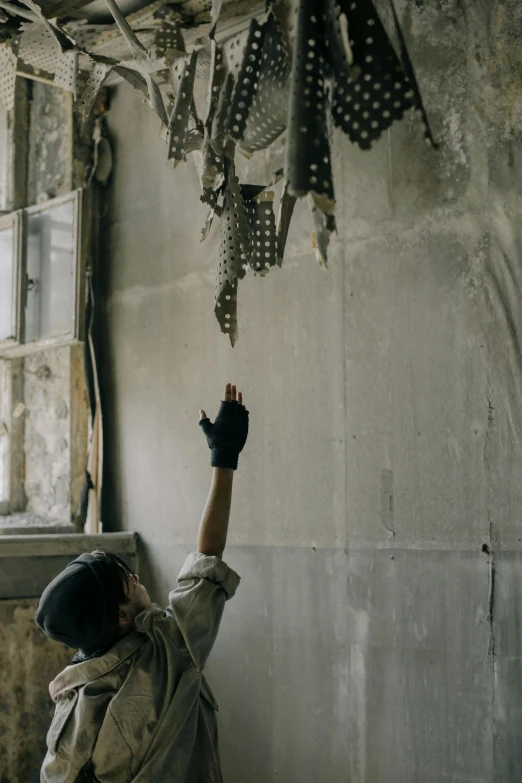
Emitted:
pixel 18 347
pixel 14 220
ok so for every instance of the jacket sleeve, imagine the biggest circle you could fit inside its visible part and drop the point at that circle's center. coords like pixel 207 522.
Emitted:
pixel 197 603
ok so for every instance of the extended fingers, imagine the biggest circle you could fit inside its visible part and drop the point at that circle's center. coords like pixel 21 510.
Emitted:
pixel 232 395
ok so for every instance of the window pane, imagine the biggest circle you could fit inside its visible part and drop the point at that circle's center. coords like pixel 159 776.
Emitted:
pixel 7 262
pixel 4 156
pixel 50 258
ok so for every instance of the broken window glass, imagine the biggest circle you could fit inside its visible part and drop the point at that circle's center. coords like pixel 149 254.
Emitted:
pixel 50 272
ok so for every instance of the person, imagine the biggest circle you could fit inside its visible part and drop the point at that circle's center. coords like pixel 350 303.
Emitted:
pixel 134 705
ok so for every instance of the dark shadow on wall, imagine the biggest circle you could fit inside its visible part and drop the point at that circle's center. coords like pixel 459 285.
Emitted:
pixel 111 499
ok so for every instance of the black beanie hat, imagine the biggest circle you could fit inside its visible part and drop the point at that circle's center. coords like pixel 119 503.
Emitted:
pixel 77 607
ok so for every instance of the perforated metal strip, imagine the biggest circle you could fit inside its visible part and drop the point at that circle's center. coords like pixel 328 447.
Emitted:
pixel 307 159
pixel 259 110
pixel 263 241
pixel 8 61
pixel 213 164
pixel 374 91
pixel 220 121
pixel 66 75
pixel 98 75
pixel 179 120
pixel 234 246
pixel 39 48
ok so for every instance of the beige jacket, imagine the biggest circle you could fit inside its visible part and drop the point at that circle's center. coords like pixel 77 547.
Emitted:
pixel 143 712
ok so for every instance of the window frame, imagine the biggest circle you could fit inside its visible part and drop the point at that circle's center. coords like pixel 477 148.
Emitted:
pixel 14 220
pixel 13 348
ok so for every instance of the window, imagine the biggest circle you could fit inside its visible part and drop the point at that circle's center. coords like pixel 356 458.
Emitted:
pixel 41 274
pixel 5 404
pixel 9 278
pixel 4 158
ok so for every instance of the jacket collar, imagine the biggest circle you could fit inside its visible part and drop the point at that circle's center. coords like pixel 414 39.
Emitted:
pixel 81 673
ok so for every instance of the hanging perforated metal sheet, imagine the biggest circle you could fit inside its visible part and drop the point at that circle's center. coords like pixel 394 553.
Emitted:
pixel 234 247
pixel 168 37
pixel 8 62
pixel 372 91
pixel 179 120
pixel 307 160
pixel 212 175
pixel 220 122
pixel 258 203
pixel 259 109
pixel 98 75
pixel 66 74
pixel 248 239
pixel 39 48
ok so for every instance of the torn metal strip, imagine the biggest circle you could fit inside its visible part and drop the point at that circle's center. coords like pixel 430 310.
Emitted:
pixel 66 74
pixel 284 217
pixel 234 247
pixel 62 39
pixel 217 77
pixel 39 48
pixel 8 65
pixel 212 175
pixel 373 91
pixel 98 75
pixel 168 38
pixel 307 159
pixel 179 120
pixel 324 227
pixel 220 122
pixel 263 244
pixel 259 110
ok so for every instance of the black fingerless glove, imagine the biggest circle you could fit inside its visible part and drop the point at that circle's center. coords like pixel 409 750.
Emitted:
pixel 227 436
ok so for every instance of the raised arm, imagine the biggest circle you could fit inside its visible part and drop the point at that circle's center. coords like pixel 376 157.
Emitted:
pixel 226 438
pixel 213 528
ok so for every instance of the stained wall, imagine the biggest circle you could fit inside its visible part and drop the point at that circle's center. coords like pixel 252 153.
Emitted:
pixel 375 523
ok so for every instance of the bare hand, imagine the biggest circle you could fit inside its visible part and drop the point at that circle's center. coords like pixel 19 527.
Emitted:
pixel 231 395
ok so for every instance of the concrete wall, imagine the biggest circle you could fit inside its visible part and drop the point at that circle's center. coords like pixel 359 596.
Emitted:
pixel 51 442
pixel 376 522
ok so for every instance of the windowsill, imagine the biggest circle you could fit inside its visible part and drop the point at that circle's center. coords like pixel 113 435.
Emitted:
pixel 27 349
pixel 32 524
pixel 29 562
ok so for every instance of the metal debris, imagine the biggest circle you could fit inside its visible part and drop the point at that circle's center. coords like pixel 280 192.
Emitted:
pixel 372 91
pixel 180 117
pixel 284 218
pixel 259 109
pixel 66 74
pixel 233 256
pixel 8 62
pixel 307 161
pixel 343 68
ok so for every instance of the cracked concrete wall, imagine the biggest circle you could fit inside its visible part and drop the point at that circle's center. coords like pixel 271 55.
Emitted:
pixel 376 633
pixel 29 663
pixel 50 156
pixel 46 437
pixel 55 432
